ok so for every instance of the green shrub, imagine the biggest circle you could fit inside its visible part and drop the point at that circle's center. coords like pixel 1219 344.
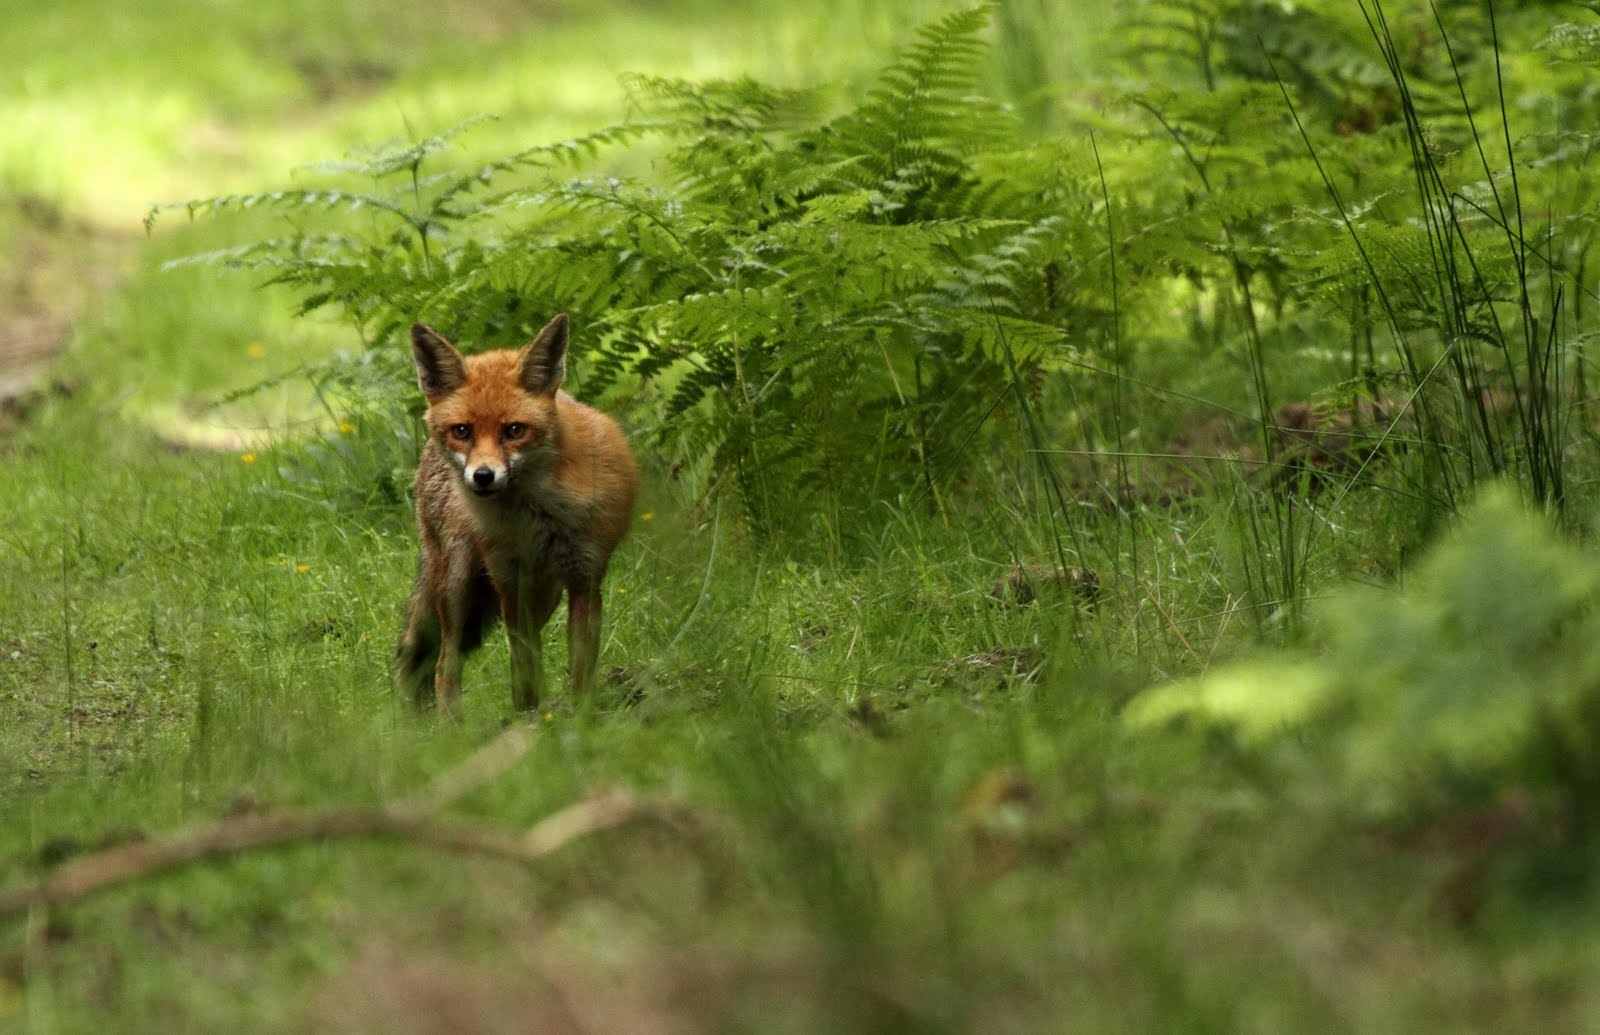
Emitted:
pixel 1481 676
pixel 821 312
pixel 830 302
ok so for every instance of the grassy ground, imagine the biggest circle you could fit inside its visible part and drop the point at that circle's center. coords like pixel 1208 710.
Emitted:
pixel 911 804
pixel 903 831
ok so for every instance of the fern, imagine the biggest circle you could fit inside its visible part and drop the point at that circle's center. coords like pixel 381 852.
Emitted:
pixel 788 288
pixel 835 299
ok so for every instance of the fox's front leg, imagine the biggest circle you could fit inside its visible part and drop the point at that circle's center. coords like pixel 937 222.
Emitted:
pixel 416 656
pixel 447 673
pixel 450 576
pixel 583 633
pixel 526 603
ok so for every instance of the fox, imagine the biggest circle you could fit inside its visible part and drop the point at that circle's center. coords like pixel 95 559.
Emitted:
pixel 522 493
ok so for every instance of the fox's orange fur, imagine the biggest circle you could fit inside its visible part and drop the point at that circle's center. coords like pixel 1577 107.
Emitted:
pixel 522 493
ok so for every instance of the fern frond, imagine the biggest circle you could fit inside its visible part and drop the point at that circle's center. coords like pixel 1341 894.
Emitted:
pixel 741 106
pixel 923 114
pixel 570 153
pixel 386 160
pixel 288 200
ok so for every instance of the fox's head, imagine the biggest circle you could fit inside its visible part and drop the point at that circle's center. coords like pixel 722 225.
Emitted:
pixel 493 415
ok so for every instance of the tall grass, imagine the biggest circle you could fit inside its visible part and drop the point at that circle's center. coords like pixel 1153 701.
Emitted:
pixel 1471 318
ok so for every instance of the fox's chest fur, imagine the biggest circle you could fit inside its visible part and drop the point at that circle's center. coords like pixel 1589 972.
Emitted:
pixel 535 527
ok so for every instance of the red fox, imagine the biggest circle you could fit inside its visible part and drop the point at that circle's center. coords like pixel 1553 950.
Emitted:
pixel 521 492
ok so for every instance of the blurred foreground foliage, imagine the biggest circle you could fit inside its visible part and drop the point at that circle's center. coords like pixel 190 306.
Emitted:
pixel 1475 684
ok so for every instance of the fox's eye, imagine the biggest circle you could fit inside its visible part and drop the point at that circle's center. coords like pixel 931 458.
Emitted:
pixel 514 430
pixel 461 432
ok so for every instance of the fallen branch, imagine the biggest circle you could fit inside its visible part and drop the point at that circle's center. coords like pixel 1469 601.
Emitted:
pixel 80 877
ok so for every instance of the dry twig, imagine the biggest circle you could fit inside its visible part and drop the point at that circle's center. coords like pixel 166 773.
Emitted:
pixel 80 877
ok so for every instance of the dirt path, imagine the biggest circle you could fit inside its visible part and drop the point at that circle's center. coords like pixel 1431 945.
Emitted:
pixel 28 340
pixel 55 269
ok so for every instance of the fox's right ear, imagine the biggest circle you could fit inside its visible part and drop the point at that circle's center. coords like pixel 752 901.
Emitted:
pixel 544 359
pixel 440 368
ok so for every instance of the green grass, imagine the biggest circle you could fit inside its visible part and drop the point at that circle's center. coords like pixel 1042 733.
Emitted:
pixel 911 838
pixel 927 810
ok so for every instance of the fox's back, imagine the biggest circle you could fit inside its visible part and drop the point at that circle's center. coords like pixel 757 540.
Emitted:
pixel 595 471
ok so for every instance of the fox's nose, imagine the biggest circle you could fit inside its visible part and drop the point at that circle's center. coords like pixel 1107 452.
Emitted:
pixel 483 477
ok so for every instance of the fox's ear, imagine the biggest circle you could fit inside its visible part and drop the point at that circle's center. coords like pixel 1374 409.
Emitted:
pixel 544 360
pixel 440 368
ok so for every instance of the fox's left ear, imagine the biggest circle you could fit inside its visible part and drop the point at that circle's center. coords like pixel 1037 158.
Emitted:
pixel 544 360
